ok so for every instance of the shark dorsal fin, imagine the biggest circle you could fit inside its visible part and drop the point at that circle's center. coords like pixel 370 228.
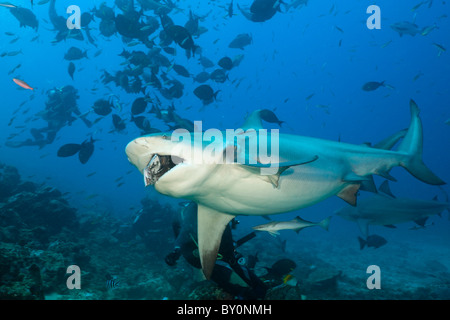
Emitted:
pixel 253 121
pixel 384 187
pixel 211 225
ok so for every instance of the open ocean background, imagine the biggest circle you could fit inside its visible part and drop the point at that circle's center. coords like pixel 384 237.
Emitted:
pixel 323 49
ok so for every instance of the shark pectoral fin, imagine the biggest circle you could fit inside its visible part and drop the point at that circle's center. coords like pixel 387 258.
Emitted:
pixel 349 193
pixel 211 225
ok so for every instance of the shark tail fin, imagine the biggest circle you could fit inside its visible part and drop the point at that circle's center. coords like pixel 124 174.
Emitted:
pixel 412 145
pixel 325 223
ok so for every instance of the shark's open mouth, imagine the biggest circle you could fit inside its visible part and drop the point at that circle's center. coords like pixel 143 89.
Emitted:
pixel 157 167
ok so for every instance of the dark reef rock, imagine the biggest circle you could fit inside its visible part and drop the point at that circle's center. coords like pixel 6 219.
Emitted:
pixel 9 180
pixel 43 211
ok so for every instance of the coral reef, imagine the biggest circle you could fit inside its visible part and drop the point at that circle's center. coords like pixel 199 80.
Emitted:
pixel 42 234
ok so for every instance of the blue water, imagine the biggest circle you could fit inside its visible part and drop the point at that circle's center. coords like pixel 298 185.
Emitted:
pixel 323 49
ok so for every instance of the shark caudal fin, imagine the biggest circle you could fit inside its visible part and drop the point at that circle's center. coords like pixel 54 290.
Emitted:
pixel 412 146
pixel 211 225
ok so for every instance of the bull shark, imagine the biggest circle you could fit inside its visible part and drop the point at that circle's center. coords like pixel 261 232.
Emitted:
pixel 385 209
pixel 309 170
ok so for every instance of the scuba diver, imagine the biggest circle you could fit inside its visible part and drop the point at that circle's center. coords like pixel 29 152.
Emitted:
pixel 60 104
pixel 229 263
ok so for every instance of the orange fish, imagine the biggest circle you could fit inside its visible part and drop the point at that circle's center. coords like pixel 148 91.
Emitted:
pixel 23 84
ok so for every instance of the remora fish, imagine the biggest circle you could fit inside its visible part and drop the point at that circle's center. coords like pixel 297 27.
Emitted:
pixel 386 210
pixel 310 170
pixel 295 224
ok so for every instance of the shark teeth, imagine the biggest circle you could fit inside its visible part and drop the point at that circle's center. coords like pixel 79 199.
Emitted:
pixel 157 167
pixel 151 171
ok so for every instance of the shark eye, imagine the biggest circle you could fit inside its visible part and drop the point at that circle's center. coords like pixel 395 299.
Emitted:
pixel 165 137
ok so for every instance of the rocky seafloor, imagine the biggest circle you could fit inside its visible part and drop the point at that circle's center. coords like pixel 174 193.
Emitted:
pixel 42 234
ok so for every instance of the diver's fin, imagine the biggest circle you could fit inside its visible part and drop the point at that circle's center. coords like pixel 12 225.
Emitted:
pixel 211 225
pixel 412 146
pixel 349 193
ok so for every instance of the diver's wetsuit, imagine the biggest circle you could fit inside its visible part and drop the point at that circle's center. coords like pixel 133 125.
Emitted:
pixel 185 230
pixel 60 104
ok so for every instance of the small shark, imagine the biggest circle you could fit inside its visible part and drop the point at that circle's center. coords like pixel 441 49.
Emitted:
pixel 309 171
pixel 406 27
pixel 295 224
pixel 385 209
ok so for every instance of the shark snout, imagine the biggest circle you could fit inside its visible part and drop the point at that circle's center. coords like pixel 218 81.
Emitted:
pixel 138 153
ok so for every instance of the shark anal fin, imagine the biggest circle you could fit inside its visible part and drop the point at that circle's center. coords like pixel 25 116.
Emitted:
pixel 384 187
pixel 368 185
pixel 349 194
pixel 211 225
